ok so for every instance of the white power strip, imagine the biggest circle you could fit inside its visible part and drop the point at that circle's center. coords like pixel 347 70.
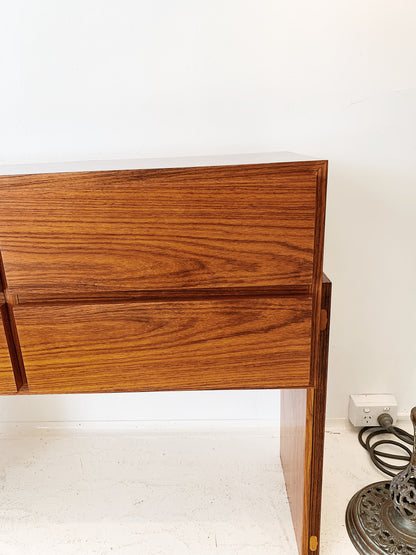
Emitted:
pixel 363 410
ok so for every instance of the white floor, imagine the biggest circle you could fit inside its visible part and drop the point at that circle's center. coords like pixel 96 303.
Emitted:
pixel 168 489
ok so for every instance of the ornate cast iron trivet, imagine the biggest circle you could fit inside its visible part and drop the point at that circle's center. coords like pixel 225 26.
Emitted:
pixel 381 518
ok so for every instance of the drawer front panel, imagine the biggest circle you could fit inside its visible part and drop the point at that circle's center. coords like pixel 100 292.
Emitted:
pixel 86 234
pixel 7 381
pixel 211 344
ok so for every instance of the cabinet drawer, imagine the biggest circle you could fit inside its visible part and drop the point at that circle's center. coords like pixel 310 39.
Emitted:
pixel 144 346
pixel 7 381
pixel 83 235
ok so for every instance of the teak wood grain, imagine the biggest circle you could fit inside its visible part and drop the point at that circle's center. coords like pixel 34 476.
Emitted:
pixel 7 380
pixel 302 442
pixel 213 344
pixel 175 278
pixel 97 234
pixel 319 412
pixel 295 453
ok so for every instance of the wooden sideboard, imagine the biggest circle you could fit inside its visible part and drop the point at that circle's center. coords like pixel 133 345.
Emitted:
pixel 174 275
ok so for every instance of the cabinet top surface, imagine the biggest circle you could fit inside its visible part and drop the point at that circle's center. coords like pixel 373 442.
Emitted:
pixel 155 163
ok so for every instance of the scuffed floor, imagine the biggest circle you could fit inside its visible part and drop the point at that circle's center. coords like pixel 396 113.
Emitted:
pixel 347 469
pixel 171 489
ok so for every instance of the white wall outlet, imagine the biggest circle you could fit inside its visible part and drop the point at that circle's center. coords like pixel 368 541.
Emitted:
pixel 363 410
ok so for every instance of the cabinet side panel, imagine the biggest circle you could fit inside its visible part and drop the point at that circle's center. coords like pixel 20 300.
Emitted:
pixel 321 186
pixel 319 412
pixel 295 458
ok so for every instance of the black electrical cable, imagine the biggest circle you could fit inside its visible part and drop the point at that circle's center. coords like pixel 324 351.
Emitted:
pixel 386 427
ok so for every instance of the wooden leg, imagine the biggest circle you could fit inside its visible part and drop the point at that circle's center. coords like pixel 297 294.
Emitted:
pixel 296 456
pixel 302 443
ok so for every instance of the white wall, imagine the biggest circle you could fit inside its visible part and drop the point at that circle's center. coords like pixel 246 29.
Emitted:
pixel 97 79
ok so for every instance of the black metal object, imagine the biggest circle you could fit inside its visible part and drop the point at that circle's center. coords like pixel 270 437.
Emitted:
pixel 372 438
pixel 403 486
pixel 381 518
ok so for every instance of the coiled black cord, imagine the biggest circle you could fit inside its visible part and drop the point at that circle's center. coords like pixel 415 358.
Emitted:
pixel 386 427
